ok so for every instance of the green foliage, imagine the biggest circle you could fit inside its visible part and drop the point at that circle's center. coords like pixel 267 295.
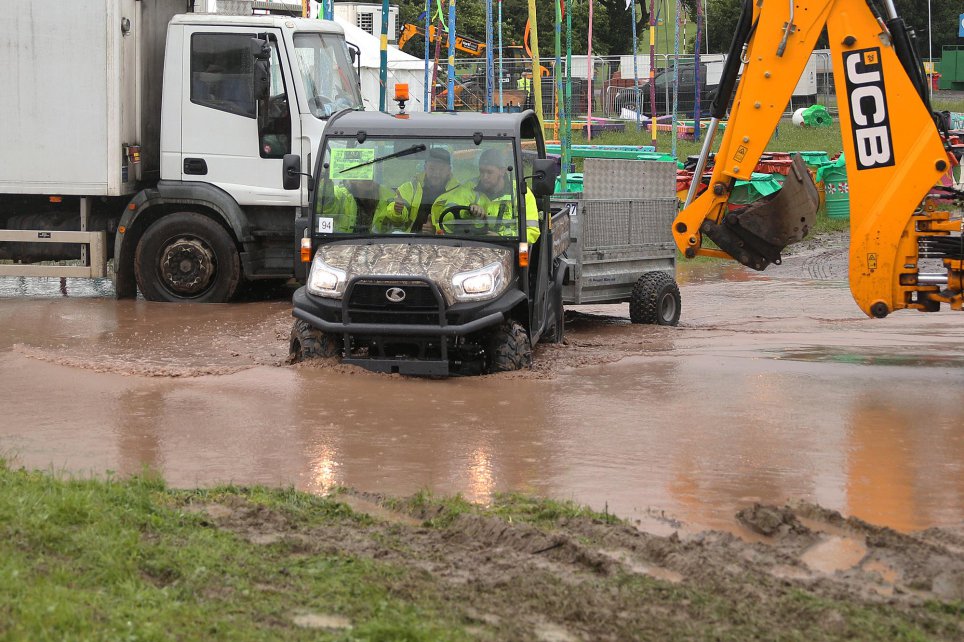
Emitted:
pixel 612 26
pixel 724 14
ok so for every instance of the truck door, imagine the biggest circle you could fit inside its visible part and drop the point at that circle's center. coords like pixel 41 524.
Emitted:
pixel 228 138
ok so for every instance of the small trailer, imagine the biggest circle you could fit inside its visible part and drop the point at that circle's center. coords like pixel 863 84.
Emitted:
pixel 622 249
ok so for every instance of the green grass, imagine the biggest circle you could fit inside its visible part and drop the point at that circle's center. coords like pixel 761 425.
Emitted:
pixel 787 138
pixel 948 103
pixel 134 560
pixel 92 560
pixel 512 507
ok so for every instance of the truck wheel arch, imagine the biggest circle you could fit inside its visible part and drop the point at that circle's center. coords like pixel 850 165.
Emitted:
pixel 150 205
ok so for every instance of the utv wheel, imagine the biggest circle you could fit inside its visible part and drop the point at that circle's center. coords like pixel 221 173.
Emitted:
pixel 510 348
pixel 187 257
pixel 308 342
pixel 655 300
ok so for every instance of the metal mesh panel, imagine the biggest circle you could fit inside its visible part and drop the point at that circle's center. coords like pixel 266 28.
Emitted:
pixel 616 223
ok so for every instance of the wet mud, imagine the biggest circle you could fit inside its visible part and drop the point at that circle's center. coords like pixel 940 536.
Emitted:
pixel 774 388
pixel 810 574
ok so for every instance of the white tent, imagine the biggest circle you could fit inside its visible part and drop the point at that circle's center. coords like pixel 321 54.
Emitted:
pixel 402 68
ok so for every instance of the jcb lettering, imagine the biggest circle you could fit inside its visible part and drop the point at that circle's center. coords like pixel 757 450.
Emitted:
pixel 869 116
pixel 876 97
pixel 873 146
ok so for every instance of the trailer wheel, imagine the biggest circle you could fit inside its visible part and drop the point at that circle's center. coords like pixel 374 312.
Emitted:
pixel 510 348
pixel 187 257
pixel 655 300
pixel 308 342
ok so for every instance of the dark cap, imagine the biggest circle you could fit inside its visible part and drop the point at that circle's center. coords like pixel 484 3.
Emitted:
pixel 440 154
pixel 492 158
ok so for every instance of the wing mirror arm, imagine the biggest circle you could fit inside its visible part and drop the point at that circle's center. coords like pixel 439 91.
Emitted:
pixel 291 170
pixel 311 179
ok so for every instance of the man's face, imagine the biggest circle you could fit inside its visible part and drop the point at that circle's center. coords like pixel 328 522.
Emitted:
pixel 437 173
pixel 490 177
pixel 363 188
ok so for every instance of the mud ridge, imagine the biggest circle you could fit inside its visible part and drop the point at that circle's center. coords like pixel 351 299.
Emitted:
pixel 574 576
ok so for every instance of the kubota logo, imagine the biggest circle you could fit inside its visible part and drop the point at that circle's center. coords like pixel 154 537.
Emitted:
pixel 869 116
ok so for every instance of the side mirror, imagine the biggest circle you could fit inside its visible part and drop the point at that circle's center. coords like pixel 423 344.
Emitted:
pixel 261 70
pixel 355 54
pixel 291 173
pixel 544 174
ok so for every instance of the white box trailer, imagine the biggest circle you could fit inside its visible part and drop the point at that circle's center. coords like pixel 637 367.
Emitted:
pixel 77 94
pixel 168 140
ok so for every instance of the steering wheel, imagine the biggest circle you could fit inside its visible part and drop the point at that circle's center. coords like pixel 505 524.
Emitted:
pixel 462 218
pixel 320 104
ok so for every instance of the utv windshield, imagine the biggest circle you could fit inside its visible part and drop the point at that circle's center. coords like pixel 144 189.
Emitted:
pixel 419 187
pixel 327 73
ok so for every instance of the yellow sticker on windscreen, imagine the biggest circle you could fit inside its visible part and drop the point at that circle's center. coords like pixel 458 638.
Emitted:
pixel 345 164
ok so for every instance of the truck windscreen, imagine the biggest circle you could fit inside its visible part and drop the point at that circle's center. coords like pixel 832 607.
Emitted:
pixel 327 73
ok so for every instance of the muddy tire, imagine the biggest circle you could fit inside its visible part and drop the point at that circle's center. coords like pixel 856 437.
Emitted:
pixel 510 348
pixel 187 257
pixel 655 300
pixel 308 342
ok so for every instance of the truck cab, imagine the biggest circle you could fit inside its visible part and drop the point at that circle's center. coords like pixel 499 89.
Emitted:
pixel 239 94
pixel 432 246
pixel 156 137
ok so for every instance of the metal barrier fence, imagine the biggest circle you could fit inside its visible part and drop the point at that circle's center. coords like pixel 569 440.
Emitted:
pixel 615 91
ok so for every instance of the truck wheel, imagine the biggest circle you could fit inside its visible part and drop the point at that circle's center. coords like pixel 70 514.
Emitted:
pixel 187 257
pixel 308 342
pixel 510 348
pixel 655 299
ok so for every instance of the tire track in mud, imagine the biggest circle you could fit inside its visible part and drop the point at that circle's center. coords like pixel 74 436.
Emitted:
pixel 573 575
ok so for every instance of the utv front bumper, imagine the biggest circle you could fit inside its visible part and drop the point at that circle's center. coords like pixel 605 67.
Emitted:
pixel 421 321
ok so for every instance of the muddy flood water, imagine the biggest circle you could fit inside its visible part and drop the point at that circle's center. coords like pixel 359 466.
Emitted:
pixel 773 388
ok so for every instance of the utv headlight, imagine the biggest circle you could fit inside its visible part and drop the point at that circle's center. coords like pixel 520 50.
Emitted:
pixel 325 280
pixel 484 283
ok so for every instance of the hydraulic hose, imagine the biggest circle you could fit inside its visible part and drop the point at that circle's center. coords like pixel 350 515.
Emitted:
pixel 731 69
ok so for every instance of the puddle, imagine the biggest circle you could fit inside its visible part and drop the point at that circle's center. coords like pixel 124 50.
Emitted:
pixel 695 422
pixel 834 554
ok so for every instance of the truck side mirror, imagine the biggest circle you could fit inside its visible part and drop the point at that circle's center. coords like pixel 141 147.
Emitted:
pixel 261 70
pixel 291 173
pixel 544 173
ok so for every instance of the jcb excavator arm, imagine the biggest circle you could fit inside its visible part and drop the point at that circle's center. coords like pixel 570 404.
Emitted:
pixel 469 46
pixel 894 153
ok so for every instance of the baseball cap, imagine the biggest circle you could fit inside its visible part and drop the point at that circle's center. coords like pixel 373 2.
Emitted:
pixel 440 154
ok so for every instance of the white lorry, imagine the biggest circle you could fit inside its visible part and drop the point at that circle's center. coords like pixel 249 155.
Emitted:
pixel 132 130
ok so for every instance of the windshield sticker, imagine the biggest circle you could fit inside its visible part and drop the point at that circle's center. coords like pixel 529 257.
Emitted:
pixel 345 164
pixel 326 225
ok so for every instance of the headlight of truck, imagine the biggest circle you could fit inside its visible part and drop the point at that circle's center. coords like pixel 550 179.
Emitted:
pixel 324 280
pixel 484 283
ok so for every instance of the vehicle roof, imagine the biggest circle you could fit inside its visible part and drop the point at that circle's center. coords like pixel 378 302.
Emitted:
pixel 434 124
pixel 262 21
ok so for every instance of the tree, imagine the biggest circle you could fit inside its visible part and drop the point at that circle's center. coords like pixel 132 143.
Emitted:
pixel 724 15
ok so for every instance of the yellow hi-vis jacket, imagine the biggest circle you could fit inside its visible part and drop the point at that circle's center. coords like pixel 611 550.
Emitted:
pixel 500 216
pixel 340 204
pixel 387 220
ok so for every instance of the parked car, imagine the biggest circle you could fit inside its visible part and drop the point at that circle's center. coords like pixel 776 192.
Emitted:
pixel 638 98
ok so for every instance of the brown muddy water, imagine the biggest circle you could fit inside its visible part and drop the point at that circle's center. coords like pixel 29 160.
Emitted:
pixel 774 388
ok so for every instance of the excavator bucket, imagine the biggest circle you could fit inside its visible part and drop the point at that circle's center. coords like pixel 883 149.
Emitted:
pixel 756 235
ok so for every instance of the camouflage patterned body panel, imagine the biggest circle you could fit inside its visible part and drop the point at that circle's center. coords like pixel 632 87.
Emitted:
pixel 436 262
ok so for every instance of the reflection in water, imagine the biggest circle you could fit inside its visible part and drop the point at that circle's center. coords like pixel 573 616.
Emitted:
pixel 481 479
pixel 21 286
pixel 898 451
pixel 702 422
pixel 324 468
pixel 138 444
